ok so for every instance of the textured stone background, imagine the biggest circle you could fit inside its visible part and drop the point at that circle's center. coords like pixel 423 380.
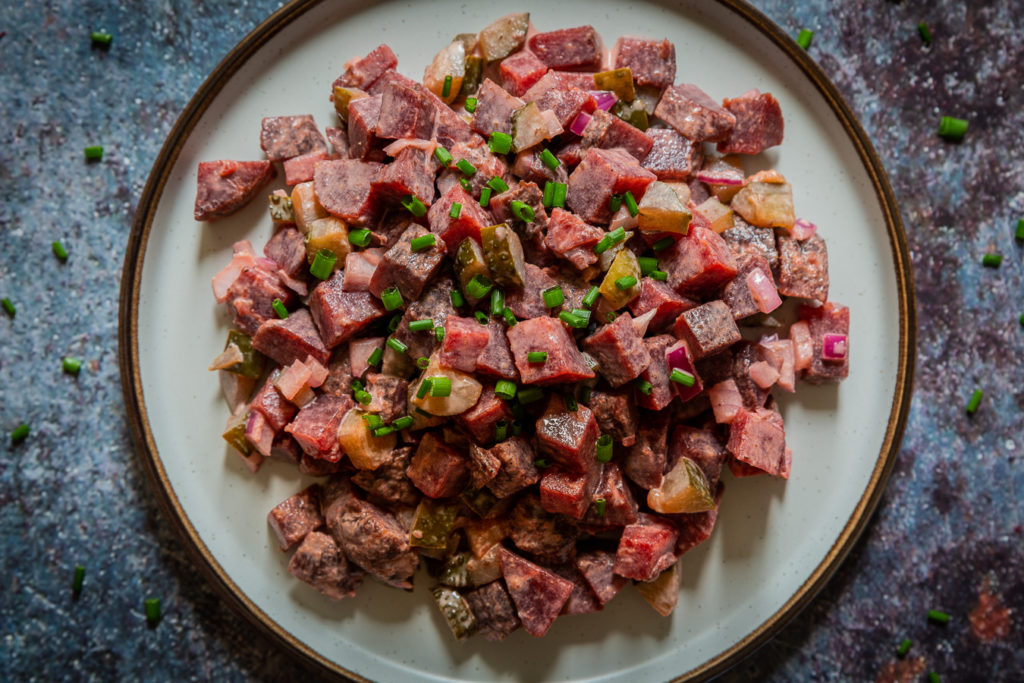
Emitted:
pixel 946 535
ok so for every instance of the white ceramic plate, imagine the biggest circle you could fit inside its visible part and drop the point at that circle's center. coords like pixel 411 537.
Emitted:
pixel 775 543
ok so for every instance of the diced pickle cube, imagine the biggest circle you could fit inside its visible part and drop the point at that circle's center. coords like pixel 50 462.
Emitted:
pixel 328 233
pixel 281 210
pixel 470 262
pixel 619 81
pixel 456 611
pixel 504 254
pixel 624 265
pixel 661 210
pixel 504 36
pixel 450 61
pixel 344 97
pixel 432 524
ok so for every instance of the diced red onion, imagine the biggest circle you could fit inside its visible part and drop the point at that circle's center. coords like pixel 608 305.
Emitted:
pixel 802 229
pixel 297 286
pixel 803 344
pixel 761 288
pixel 725 401
pixel 763 374
pixel 678 356
pixel 716 177
pixel 834 347
pixel 292 380
pixel 641 322
pixel 259 433
pixel 358 273
pixel 235 388
pixel 243 246
pixel 606 99
pixel 779 353
pixel 269 265
pixel 223 280
pixel 397 146
pixel 317 372
pixel 580 123
pixel 359 352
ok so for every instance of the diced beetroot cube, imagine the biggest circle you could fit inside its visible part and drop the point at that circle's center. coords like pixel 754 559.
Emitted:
pixel 408 270
pixel 405 113
pixel 737 294
pixel 539 594
pixel 803 267
pixel 652 62
pixel 517 469
pixel 494 107
pixel 602 173
pixel 287 248
pixel 338 139
pixel 607 131
pixel 620 508
pixel 519 71
pixel 757 438
pixel 319 562
pixel 526 301
pixel 645 464
pixel 287 137
pixel 464 340
pixel 269 401
pixel 619 350
pixel 568 493
pixel 480 420
pixel 741 469
pixel 569 437
pixel 363 115
pixel 831 318
pixel 571 153
pixel 658 295
pixel 701 446
pixel 672 157
pixel 470 221
pixel 596 566
pixel 551 538
pixel 496 358
pixel 699 263
pixel 363 72
pixel 223 187
pixel 341 315
pixel 696 527
pixel 300 169
pixel 564 362
pixel 437 469
pixel 582 600
pixel 616 415
pixel 553 93
pixel 707 329
pixel 568 48
pixel 344 188
pixel 494 611
pixel 744 238
pixel 694 114
pixel 572 239
pixel 411 173
pixel 295 517
pixel 483 466
pixel 657 374
pixel 759 123
pixel 646 548
pixel 250 298
pixel 291 339
pixel 315 428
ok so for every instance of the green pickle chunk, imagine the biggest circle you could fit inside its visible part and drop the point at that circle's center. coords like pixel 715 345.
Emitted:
pixel 504 254
pixel 234 434
pixel 469 262
pixel 252 362
pixel 633 113
pixel 432 524
pixel 619 81
pixel 456 611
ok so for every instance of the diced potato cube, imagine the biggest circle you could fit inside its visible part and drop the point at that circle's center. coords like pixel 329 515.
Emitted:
pixel 305 206
pixel 450 61
pixel 716 213
pixel 661 210
pixel 531 126
pixel 766 205
pixel 624 265
pixel 504 36
pixel 328 233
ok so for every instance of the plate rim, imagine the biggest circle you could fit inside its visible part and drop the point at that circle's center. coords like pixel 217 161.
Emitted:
pixel 145 445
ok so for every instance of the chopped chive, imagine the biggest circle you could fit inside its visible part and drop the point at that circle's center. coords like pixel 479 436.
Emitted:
pixel 904 648
pixel 152 606
pixel 76 583
pixel 610 316
pixel 505 389
pixel 363 397
pixel 478 287
pixel 1020 229
pixel 510 317
pixel 631 204
pixel 356 385
pixel 617 235
pixel 421 325
pixel 422 242
pixel 590 298
pixel 391 298
pixel 20 433
pixel 403 422
pixel 585 392
pixel 72 365
pixel 549 194
pixel 424 388
pixel 414 205
pixel 440 386
pixel 626 283
pixel 446 89
pixel 581 313
pixel 375 359
pixel 522 211
pixel 517 428
pixel 604 448
pixel 991 260
pixel 558 198
pixel 94 152
pixel 373 421
pixel 323 264
pixel 457 298
pixel 497 184
pixel 420 411
pixel 466 185
pixel 466 167
pixel 615 203
pixel 659 275
pixel 500 143
pixel 537 356
pixel 396 345
pixel 101 39
pixel 443 155
pixel 599 505
pixel 934 677
pixel 497 302
pixel 1021 319
pixel 280 309
pixel 455 211
pixel 804 39
pixel 542 463
pixel 8 306
pixel 926 34
pixel 644 386
pixel 553 296
pixel 939 616
pixel 530 394
pixel 571 320
pixel 571 404
pixel 972 407
pixel 952 128
pixel 471 104
pixel 500 431
pixel 359 237
pixel 682 377
pixel 383 431
pixel 662 244
pixel 549 159
pixel 481 317
pixel 59 251
pixel 439 334
pixel 648 264
pixel 604 245
pixel 485 197
pixel 395 321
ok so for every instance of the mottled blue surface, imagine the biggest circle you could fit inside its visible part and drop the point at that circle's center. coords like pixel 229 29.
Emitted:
pixel 946 535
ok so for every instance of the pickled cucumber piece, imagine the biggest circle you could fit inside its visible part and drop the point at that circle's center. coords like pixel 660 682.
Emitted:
pixel 663 593
pixel 683 489
pixel 281 210
pixel 471 81
pixel 766 205
pixel 504 254
pixel 456 611
pixel 252 362
pixel 305 206
pixel 716 213
pixel 364 450
pixel 619 81
pixel 344 97
pixel 328 233
pixel 234 433
pixel 531 126
pixel 469 262
pixel 504 36
pixel 662 210
pixel 432 524
pixel 625 265
pixel 450 61
pixel 455 573
pixel 633 113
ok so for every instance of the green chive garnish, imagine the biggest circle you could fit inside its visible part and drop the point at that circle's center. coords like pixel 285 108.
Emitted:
pixel 442 155
pixel 537 356
pixel 500 143
pixel 510 318
pixel 972 407
pixel 585 392
pixel 522 211
pixel 625 282
pixel 604 448
pixel 396 345
pixel 542 463
pixel 590 298
pixel 478 287
pixel 549 194
pixel 615 203
pixel 439 334
pixel 631 204
pixel 549 159
pixel 497 302
pixel 76 583
pixel 373 421
pixel 481 317
pixel 8 306
pixel 279 308
pixel 485 197
pixel 935 615
pixel 101 39
pixel 663 243
pixel 804 39
pixel 59 251
pixel 659 275
pixel 934 677
pixel 505 389
pixel 582 313
pixel 471 104
pixel 570 403
pixel 644 386
pixel 604 245
pixel 440 386
pixel 599 505
pixel 466 167
pixel 94 152
pixel 682 377
pixel 571 320
pixel 423 362
pixel 553 296
pixel 403 422
pixel 323 264
pixel 446 89
pixel 395 321
pixel 20 433
pixel 414 205
pixel 1020 229
pixel 904 648
pixel 926 34
pixel 457 299
pixel 610 316
pixel 383 431
pixel 391 298
pixel 952 128
pixel 455 211
pixel 363 397
pixel 617 235
pixel 558 198
pixel 422 242
pixel 72 365
pixel 421 325
pixel 375 359
pixel 530 394
pixel 500 431
pixel 497 184
pixel 152 606
pixel 648 264
pixel 424 388
pixel 356 384
pixel 992 260
pixel 359 237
